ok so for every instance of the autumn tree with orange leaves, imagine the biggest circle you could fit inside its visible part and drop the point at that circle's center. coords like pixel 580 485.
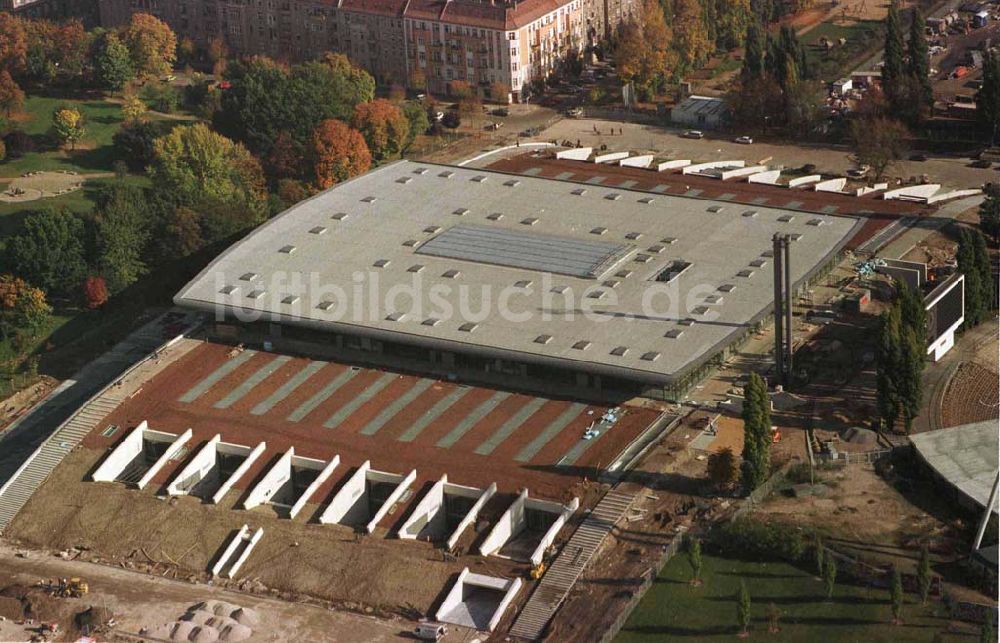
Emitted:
pixel 13 42
pixel 22 307
pixel 11 96
pixel 384 127
pixel 339 153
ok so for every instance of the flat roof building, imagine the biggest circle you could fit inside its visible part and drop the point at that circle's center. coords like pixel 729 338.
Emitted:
pixel 473 271
pixel 704 112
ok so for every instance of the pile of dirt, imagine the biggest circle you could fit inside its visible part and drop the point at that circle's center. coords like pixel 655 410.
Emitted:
pixel 208 622
pixel 35 602
pixel 11 609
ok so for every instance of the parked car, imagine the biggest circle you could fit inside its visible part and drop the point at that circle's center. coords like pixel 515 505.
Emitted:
pixel 494 126
pixel 743 140
pixel 574 112
pixel 858 172
pixel 693 133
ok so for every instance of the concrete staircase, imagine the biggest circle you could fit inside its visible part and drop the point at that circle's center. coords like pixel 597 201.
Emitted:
pixel 564 571
pixel 20 489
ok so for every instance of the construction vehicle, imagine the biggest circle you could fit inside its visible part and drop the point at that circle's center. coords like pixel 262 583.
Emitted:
pixel 538 570
pixel 71 588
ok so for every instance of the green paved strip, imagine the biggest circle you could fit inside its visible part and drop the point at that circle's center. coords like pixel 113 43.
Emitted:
pixel 396 406
pixel 201 387
pixel 345 412
pixel 551 431
pixel 433 413
pixel 286 389
pixel 264 372
pixel 471 419
pixel 510 426
pixel 310 405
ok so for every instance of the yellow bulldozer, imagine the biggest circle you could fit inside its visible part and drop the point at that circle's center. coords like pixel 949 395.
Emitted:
pixel 71 588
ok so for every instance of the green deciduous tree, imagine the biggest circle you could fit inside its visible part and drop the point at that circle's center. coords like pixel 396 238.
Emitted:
pixel 756 433
pixel 755 52
pixel 878 142
pixel 989 214
pixel 69 125
pixel 123 230
pixel 723 468
pixel 924 574
pixel 894 69
pixel 690 36
pixel 49 251
pixel 896 597
pixel 829 575
pixel 918 67
pixel 152 45
pixel 113 66
pixel 988 96
pixel 743 608
pixel 416 114
pixel 694 559
pixel 383 126
pixel 888 356
pixel 973 262
pixel 23 309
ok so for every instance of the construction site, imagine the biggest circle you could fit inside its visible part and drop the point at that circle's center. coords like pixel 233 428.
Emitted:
pixel 494 476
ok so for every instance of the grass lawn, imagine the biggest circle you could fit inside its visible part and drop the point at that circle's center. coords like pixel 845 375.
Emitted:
pixel 863 38
pixel 673 610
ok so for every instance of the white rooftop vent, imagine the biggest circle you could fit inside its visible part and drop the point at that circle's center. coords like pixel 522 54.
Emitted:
pixel 715 208
pixel 381 263
pixel 815 222
pixel 750 213
pixel 745 273
pixel 529 220
pixel 451 274
pixel 430 321
pixel 623 274
pixel 619 351
pixel 479 178
pixel 461 211
pixel 287 250
pixel 612 196
pixel 229 290
pixel 758 263
pixel 633 236
pixel 318 230
pixel 795 237
pixel 290 299
pixel 340 216
pixel 249 276
pixel 495 216
pixel 559 289
pixel 726 288
pixel 543 339
pixel 595 294
pixel 598 230
pixel 256 294
pixel 579 191
pixel 656 249
pixel 686 322
pixel 669 241
pixel 404 179
pixel 326 305
pixel 411 243
pixel 415 268
pixel 610 283
pixel 395 317
pixel 767 253
pixel 582 345
pixel 513 183
pixel 420 170
pixel 699 310
pixel 643 258
pixel 524 283
pixel 673 333
pixel 646 200
pixel 651 356
pixel 447 174
pixel 369 199
pixel 468 327
pixel 786 218
pixel 432 229
pixel 713 299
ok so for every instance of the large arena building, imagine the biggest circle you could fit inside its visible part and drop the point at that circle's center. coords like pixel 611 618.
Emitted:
pixel 514 280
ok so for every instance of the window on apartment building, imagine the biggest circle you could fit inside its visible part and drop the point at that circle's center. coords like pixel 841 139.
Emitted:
pixel 512 35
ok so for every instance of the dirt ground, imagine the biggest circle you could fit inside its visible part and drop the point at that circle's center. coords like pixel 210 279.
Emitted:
pixel 18 403
pixel 138 601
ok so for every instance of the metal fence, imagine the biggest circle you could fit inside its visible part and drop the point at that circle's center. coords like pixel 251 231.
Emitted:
pixel 673 548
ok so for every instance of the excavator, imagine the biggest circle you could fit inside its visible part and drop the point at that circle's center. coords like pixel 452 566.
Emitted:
pixel 71 588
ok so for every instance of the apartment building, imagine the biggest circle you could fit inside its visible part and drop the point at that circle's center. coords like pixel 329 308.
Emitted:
pixel 426 44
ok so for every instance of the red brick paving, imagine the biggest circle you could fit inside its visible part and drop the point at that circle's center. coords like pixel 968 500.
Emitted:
pixel 158 403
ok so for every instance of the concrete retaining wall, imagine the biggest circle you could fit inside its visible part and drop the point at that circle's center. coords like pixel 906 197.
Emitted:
pixel 239 473
pixel 701 167
pixel 472 515
pixel 453 600
pixel 610 156
pixel 272 481
pixel 347 496
pixel 550 535
pixel 770 177
pixel 196 469
pixel 916 192
pixel 118 459
pixel 575 154
pixel 311 489
pixel 242 537
pixel 393 498
pixel 832 185
pixel 509 525
pixel 672 165
pixel 168 455
pixel 637 161
pixel 804 180
pixel 954 194
pixel 725 175
pixel 878 187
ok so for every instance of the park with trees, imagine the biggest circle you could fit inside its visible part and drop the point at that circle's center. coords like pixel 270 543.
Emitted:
pixel 155 175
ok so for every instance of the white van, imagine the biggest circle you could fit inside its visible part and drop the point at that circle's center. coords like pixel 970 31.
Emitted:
pixel 430 631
